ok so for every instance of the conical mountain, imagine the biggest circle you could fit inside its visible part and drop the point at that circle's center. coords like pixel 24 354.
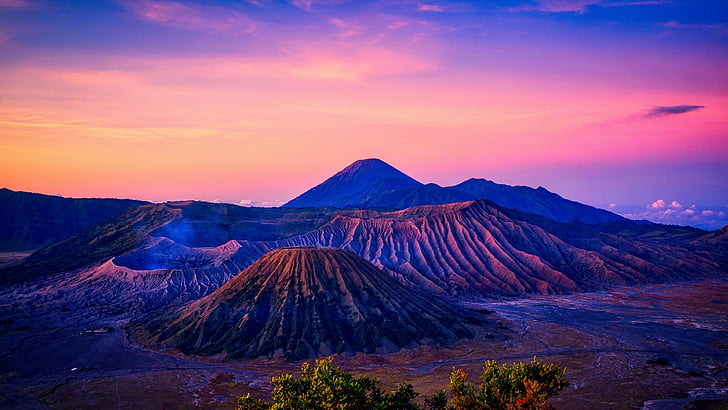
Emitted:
pixel 305 302
pixel 354 184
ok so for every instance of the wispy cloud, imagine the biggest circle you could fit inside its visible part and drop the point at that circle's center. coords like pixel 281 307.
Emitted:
pixel 430 7
pixel 661 111
pixel 16 4
pixel 346 28
pixel 302 4
pixel 711 27
pixel 185 16
pixel 581 6
pixel 445 7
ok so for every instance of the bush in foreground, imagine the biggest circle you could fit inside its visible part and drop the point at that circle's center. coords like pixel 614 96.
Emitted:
pixel 523 386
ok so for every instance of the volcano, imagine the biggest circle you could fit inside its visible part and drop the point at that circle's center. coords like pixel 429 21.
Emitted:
pixel 355 184
pixel 305 302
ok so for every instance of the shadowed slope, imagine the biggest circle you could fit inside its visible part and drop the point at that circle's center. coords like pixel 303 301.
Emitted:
pixel 31 221
pixel 304 302
pixel 429 194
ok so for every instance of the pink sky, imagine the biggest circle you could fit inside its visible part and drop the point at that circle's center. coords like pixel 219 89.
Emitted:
pixel 232 104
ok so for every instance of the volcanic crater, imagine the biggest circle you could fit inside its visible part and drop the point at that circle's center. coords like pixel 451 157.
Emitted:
pixel 303 302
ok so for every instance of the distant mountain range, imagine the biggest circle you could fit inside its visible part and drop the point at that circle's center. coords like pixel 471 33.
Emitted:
pixel 300 303
pixel 372 183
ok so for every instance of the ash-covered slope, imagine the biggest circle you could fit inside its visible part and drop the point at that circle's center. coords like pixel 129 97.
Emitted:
pixel 306 302
pixel 537 201
pixel 354 184
pixel 477 248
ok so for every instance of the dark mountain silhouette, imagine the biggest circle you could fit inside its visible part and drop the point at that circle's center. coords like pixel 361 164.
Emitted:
pixel 372 183
pixel 92 245
pixel 305 302
pixel 429 194
pixel 537 201
pixel 354 185
pixel 32 221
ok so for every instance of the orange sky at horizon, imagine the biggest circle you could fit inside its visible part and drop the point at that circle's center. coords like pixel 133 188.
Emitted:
pixel 266 124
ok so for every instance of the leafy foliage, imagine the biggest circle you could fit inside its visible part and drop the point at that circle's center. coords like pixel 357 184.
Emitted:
pixel 325 387
pixel 522 386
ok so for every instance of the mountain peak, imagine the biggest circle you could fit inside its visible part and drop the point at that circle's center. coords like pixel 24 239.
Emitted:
pixel 371 168
pixel 354 184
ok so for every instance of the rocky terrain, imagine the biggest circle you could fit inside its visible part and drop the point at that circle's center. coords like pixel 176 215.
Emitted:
pixel 662 344
pixel 470 249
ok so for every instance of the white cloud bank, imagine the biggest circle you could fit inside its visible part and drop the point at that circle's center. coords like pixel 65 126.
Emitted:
pixel 674 213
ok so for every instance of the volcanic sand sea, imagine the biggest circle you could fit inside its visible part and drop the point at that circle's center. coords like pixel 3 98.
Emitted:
pixel 621 347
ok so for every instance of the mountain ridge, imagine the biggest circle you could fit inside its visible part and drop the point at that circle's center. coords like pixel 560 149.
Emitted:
pixel 538 201
pixel 31 221
pixel 372 183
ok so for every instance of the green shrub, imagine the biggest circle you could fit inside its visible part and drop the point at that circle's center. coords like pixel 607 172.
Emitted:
pixel 325 387
pixel 522 386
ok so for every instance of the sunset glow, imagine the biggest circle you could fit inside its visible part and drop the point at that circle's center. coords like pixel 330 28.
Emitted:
pixel 258 101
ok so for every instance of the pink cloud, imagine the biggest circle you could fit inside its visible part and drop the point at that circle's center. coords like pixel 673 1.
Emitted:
pixel 430 7
pixel 659 204
pixel 302 4
pixel 675 204
pixel 16 3
pixel 397 24
pixel 346 29
pixel 180 15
